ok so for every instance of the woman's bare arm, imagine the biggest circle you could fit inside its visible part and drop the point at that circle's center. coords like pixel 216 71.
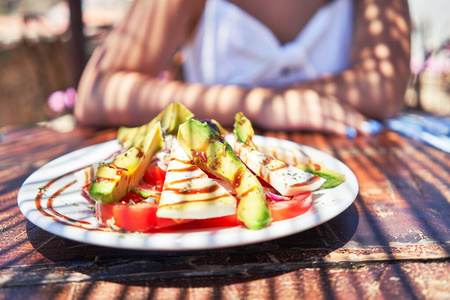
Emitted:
pixel 120 84
pixel 373 86
pixel 376 82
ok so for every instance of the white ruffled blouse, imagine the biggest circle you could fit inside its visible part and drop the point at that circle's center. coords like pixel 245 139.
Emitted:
pixel 233 47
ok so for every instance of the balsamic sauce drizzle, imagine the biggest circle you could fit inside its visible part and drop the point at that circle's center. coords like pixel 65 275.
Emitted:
pixel 57 216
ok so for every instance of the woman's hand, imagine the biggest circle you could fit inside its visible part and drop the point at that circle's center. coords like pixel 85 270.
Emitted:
pixel 306 109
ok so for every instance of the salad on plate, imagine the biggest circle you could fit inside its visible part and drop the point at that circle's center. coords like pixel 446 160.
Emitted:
pixel 177 172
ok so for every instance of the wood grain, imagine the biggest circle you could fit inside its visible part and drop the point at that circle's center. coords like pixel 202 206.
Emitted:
pixel 392 242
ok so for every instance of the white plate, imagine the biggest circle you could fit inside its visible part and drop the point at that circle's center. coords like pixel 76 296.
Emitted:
pixel 68 201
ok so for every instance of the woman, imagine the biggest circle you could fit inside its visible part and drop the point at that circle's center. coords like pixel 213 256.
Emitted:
pixel 286 64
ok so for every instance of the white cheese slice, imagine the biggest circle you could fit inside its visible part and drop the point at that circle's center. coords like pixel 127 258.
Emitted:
pixel 286 179
pixel 292 156
pixel 168 139
pixel 188 193
pixel 85 175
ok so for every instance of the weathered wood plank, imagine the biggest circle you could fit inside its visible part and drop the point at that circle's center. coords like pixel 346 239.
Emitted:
pixel 389 243
pixel 408 280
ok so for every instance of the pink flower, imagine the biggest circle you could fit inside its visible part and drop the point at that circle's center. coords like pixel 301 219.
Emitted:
pixel 60 101
pixel 71 97
pixel 56 101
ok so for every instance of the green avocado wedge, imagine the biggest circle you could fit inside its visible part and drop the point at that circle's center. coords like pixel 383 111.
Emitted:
pixel 332 178
pixel 170 118
pixel 243 129
pixel 216 126
pixel 211 153
pixel 114 180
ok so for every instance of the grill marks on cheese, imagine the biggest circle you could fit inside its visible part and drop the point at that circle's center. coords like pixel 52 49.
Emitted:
pixel 292 156
pixel 286 179
pixel 188 193
pixel 85 175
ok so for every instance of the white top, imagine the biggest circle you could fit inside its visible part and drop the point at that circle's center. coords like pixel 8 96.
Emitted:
pixel 233 47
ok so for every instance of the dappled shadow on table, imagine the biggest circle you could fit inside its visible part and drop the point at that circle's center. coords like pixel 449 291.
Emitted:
pixel 196 268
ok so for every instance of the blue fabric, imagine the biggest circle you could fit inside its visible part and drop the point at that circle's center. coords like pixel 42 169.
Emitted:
pixel 432 130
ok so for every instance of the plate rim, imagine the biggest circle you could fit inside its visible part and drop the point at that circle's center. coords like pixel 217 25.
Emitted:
pixel 140 241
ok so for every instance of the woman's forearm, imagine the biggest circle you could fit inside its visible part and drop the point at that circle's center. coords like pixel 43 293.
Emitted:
pixel 112 98
pixel 132 98
pixel 376 94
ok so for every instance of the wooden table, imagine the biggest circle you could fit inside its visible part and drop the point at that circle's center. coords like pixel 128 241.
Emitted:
pixel 394 241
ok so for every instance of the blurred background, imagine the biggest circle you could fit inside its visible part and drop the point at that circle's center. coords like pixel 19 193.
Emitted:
pixel 45 44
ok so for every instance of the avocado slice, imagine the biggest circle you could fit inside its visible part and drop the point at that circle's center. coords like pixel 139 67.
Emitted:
pixel 146 193
pixel 171 117
pixel 243 129
pixel 114 180
pixel 216 126
pixel 332 178
pixel 210 152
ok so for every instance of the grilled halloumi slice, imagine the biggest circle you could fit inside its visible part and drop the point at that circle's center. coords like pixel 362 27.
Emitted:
pixel 286 179
pixel 85 175
pixel 292 156
pixel 188 193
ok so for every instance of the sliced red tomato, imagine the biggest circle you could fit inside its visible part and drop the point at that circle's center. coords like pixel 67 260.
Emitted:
pixel 219 222
pixel 137 215
pixel 287 209
pixel 280 210
pixel 142 216
pixel 133 214
pixel 155 176
pixel 165 223
pixel 132 197
pixel 225 221
pixel 130 217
